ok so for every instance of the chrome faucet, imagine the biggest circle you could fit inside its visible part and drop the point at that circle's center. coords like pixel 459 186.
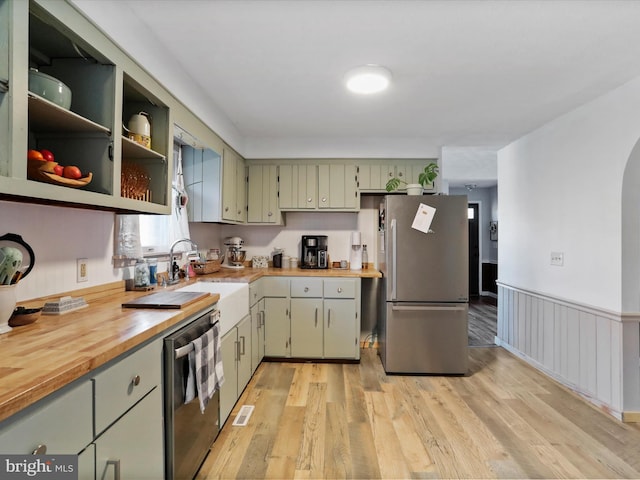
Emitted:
pixel 172 279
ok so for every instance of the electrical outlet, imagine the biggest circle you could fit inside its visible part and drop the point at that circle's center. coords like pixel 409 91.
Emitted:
pixel 557 259
pixel 82 270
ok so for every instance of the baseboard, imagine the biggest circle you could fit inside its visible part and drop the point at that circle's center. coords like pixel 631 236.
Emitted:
pixel 631 417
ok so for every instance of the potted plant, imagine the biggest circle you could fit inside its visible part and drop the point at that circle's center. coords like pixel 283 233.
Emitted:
pixel 427 176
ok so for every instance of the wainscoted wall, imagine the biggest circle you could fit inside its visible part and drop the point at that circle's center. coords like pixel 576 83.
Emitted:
pixel 582 347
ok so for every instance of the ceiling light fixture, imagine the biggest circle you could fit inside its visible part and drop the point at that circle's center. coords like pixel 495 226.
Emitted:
pixel 368 79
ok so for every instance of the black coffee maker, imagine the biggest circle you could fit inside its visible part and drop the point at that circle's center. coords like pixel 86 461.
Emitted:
pixel 314 252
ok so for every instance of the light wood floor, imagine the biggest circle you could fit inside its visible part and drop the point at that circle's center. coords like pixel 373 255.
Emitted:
pixel 483 321
pixel 503 420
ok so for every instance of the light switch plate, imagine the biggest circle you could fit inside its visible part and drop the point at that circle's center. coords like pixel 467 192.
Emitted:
pixel 82 270
pixel 557 259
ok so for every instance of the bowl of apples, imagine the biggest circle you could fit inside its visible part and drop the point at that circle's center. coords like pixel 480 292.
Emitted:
pixel 42 167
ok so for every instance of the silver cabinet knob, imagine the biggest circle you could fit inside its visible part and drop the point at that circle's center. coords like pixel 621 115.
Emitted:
pixel 306 289
pixel 399 174
pixel 339 290
pixel 324 199
pixel 309 199
pixel 135 381
pixel 226 209
pixel 270 214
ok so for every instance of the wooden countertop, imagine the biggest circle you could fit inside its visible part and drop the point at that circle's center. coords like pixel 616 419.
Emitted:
pixel 38 359
pixel 249 274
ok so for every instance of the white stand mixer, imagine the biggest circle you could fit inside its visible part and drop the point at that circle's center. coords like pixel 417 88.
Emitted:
pixel 234 255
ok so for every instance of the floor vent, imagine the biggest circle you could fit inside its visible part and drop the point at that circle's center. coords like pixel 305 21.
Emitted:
pixel 243 416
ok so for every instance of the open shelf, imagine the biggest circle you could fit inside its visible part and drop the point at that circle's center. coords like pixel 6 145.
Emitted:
pixel 47 116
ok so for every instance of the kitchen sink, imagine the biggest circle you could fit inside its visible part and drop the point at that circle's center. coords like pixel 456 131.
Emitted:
pixel 233 304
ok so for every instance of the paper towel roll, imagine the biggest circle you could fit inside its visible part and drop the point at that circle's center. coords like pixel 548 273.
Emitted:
pixel 355 238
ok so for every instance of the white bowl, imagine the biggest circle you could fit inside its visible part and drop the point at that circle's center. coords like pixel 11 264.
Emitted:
pixel 50 88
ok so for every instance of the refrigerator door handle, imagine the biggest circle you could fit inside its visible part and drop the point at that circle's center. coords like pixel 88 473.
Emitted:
pixel 459 307
pixel 394 257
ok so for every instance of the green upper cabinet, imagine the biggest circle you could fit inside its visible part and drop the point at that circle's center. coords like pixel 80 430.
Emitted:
pixel 298 186
pixel 262 195
pixel 107 87
pixel 374 174
pixel 234 187
pixel 338 187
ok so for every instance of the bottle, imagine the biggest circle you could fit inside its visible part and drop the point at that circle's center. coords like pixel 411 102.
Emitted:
pixel 365 257
pixel 153 270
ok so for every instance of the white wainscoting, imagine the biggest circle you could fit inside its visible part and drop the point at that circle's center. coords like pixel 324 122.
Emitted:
pixel 580 346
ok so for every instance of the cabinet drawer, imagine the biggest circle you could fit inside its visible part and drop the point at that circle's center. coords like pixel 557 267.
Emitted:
pixel 255 291
pixel 62 422
pixel 275 287
pixel 306 287
pixel 339 288
pixel 115 389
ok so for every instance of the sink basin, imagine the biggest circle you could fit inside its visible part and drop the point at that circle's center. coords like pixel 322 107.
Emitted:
pixel 233 303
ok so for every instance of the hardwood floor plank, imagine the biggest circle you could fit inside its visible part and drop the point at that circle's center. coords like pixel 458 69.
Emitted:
pixel 364 459
pixel 311 454
pixel 389 453
pixel 400 403
pixel 286 446
pixel 337 451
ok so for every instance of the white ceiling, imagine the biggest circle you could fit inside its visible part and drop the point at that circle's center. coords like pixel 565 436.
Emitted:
pixel 267 75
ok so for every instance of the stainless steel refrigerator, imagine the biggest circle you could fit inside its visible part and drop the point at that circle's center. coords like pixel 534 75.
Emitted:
pixel 422 325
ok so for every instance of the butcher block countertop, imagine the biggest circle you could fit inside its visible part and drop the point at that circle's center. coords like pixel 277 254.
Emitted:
pixel 40 358
pixel 252 274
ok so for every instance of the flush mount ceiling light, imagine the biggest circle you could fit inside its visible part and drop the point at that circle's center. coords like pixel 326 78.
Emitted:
pixel 368 79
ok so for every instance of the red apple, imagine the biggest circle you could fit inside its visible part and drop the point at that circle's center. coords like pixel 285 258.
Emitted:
pixel 58 170
pixel 71 171
pixel 47 155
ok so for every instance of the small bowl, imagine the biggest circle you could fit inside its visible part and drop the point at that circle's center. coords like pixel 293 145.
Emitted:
pixel 24 316
pixel 50 88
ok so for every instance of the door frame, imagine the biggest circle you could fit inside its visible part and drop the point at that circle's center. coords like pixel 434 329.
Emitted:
pixel 479 266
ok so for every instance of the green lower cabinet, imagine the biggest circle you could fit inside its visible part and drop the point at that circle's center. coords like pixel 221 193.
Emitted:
pixel 277 328
pixel 133 446
pixel 306 328
pixel 236 359
pixel 340 335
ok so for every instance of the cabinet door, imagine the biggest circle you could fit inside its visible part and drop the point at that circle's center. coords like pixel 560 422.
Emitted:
pixel 277 333
pixel 306 328
pixel 341 337
pixel 262 194
pixel 257 334
pixel 229 389
pixel 297 186
pixel 133 446
pixel 244 353
pixel 241 190
pixel 229 185
pixel 337 187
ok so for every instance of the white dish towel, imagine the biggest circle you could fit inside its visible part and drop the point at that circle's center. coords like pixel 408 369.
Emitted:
pixel 205 367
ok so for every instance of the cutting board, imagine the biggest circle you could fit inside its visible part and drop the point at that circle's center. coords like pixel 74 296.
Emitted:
pixel 166 300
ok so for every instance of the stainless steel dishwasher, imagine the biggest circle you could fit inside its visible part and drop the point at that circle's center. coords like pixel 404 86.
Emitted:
pixel 188 432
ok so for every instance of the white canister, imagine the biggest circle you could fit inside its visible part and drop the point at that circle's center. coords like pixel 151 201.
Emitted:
pixel 294 262
pixel 286 262
pixel 140 129
pixel 7 306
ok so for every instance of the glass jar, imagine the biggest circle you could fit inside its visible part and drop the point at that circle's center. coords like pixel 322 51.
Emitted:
pixel 141 273
pixel 365 257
